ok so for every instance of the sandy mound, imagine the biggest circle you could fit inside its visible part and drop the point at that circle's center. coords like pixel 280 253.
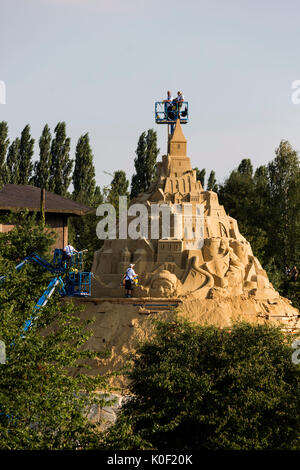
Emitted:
pixel 119 328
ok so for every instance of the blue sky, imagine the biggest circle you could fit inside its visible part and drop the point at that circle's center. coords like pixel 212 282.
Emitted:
pixel 99 65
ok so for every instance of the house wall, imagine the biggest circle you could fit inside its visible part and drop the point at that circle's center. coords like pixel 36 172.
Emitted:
pixel 59 222
pixel 4 228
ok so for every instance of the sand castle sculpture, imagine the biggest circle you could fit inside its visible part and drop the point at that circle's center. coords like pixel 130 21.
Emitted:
pixel 221 266
pixel 215 282
pixel 171 267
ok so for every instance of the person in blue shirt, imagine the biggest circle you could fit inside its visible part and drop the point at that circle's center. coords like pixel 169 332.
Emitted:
pixel 129 278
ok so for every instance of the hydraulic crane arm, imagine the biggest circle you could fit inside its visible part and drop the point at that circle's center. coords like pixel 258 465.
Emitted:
pixel 44 299
pixel 34 258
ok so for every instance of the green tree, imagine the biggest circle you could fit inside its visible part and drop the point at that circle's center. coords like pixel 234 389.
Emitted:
pixel 246 167
pixel 245 197
pixel 237 193
pixel 138 179
pixel 4 143
pixel 84 171
pixel 284 180
pixel 61 164
pixel 118 187
pixel 82 230
pixel 41 177
pixel 261 182
pixel 200 175
pixel 44 392
pixel 212 182
pixel 26 150
pixel 204 388
pixel 12 162
pixel 145 163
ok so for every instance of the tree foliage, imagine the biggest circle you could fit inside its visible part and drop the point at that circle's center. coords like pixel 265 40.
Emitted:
pixel 42 173
pixel 13 162
pixel 204 388
pixel 43 405
pixel 26 150
pixel 284 185
pixel 200 175
pixel 4 143
pixel 266 204
pixel 61 164
pixel 84 171
pixel 145 163
pixel 118 187
pixel 82 230
pixel 212 182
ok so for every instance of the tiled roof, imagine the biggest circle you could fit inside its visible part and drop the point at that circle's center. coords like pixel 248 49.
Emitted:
pixel 18 197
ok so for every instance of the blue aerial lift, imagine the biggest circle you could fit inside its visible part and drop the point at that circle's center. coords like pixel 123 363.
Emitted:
pixel 68 275
pixel 168 113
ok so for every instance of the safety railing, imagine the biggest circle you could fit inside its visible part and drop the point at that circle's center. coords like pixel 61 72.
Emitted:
pixel 79 284
pixel 61 262
pixel 168 112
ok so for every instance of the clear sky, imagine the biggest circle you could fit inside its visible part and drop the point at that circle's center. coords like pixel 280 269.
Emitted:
pixel 99 65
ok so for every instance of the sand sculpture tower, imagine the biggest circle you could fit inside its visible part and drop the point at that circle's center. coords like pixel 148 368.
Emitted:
pixel 211 259
pixel 173 266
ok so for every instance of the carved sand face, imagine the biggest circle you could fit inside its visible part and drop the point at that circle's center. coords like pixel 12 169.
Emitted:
pixel 241 251
pixel 211 247
pixel 215 248
pixel 223 246
pixel 163 284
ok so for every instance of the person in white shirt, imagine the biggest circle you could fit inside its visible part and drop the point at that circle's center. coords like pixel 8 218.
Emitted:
pixel 168 103
pixel 129 277
pixel 178 101
pixel 179 98
pixel 69 250
pixel 169 97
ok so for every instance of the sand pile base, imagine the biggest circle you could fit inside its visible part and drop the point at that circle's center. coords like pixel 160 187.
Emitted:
pixel 119 327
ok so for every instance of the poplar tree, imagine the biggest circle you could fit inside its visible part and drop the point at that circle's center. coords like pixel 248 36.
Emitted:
pixel 83 229
pixel 200 175
pixel 26 150
pixel 145 163
pixel 246 167
pixel 84 171
pixel 119 187
pixel 4 143
pixel 151 157
pixel 12 162
pixel 61 164
pixel 284 181
pixel 261 197
pixel 42 173
pixel 212 182
pixel 138 179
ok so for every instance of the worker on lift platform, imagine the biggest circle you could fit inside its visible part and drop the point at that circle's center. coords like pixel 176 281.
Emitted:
pixel 169 110
pixel 67 254
pixel 168 103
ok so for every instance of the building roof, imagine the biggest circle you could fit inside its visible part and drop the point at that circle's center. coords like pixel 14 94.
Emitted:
pixel 16 197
